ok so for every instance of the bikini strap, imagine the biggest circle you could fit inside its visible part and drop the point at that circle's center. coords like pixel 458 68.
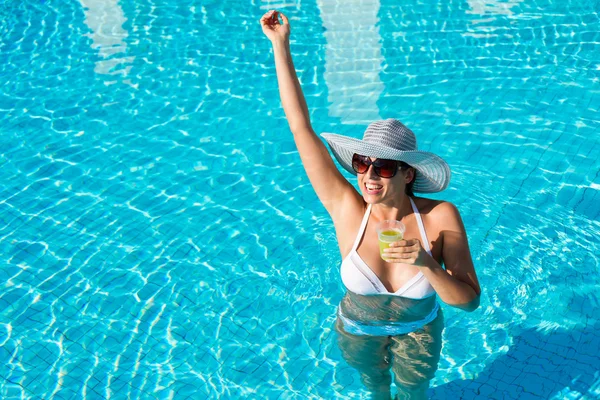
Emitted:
pixel 424 240
pixel 362 228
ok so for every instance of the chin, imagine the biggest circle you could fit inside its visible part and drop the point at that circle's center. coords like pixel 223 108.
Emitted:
pixel 370 199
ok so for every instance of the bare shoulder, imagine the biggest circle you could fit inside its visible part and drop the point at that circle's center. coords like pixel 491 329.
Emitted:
pixel 439 213
pixel 433 207
pixel 445 210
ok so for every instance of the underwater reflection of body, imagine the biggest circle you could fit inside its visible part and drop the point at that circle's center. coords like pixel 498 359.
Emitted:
pixel 412 357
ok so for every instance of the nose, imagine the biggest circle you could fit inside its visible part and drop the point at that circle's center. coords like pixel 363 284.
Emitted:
pixel 370 173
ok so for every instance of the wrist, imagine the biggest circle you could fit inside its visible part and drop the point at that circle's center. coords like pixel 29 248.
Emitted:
pixel 280 43
pixel 430 263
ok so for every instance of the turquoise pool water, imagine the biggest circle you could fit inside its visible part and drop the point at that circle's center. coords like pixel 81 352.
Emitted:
pixel 159 239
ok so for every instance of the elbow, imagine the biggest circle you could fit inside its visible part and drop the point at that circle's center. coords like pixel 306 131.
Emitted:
pixel 471 305
pixel 299 125
pixel 466 304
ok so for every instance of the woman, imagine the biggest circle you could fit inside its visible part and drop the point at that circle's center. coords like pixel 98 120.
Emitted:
pixel 389 318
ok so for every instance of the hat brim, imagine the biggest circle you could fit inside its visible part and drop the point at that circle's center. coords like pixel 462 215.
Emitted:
pixel 434 172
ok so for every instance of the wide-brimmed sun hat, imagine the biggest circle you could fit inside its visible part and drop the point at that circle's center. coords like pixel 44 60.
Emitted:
pixel 390 139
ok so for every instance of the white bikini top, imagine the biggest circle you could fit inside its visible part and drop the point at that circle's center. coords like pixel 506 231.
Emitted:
pixel 359 278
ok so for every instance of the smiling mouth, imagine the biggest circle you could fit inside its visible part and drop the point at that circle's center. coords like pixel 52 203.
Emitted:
pixel 373 189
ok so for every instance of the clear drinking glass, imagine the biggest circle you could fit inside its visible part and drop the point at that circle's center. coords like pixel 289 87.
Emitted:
pixel 389 231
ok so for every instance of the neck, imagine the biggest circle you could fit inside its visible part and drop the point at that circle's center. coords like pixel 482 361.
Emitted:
pixel 395 210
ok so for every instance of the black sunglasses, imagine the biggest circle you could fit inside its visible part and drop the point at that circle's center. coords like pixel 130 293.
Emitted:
pixel 382 167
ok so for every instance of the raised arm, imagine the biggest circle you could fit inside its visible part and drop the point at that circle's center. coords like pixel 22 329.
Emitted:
pixel 334 191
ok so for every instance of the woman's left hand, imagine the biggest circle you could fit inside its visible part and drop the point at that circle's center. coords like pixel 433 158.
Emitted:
pixel 407 252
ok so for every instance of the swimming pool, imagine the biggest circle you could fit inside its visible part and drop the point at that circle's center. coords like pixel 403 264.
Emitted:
pixel 159 238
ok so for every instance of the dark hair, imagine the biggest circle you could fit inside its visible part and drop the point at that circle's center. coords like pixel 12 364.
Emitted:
pixel 409 186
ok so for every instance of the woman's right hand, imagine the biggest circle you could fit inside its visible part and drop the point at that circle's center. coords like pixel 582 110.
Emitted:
pixel 330 185
pixel 273 29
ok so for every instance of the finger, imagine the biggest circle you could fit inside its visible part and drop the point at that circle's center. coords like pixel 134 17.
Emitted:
pixel 399 250
pixel 267 14
pixel 399 255
pixel 267 17
pixel 410 243
pixel 399 243
pixel 284 18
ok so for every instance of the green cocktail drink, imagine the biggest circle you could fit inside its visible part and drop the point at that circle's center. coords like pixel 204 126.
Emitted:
pixel 389 231
pixel 387 237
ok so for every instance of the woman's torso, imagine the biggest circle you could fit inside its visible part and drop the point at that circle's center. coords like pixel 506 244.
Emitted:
pixel 392 275
pixel 362 266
